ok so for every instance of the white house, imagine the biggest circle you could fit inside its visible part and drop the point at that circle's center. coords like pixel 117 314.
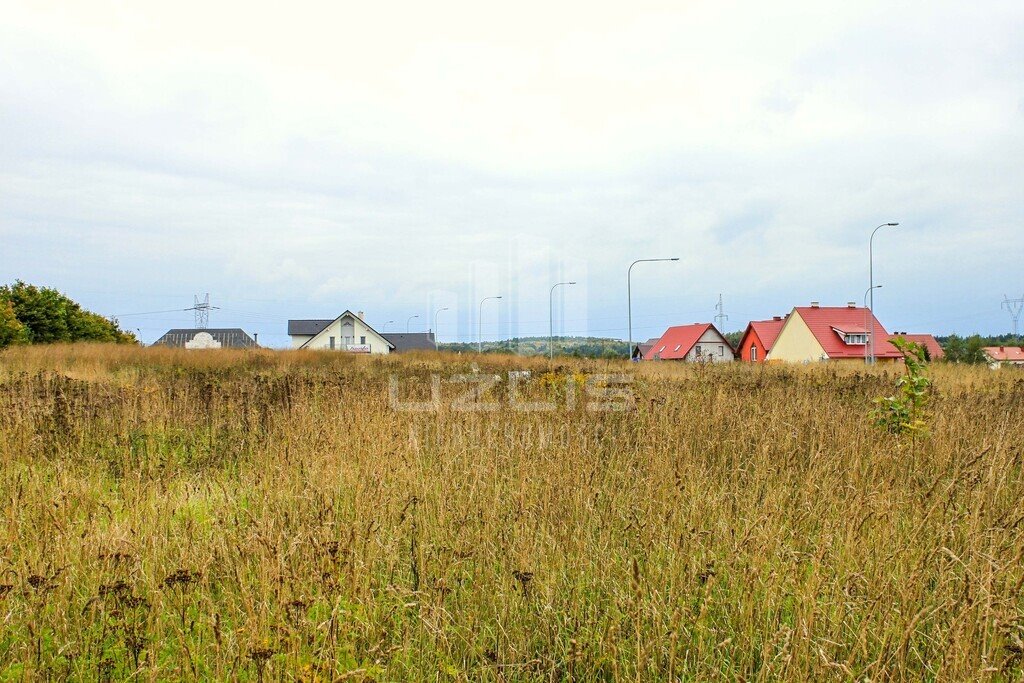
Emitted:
pixel 348 332
pixel 999 356
pixel 700 342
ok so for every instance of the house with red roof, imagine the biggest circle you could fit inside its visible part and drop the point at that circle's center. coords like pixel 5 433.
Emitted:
pixel 931 345
pixel 816 333
pixel 759 338
pixel 697 343
pixel 1004 355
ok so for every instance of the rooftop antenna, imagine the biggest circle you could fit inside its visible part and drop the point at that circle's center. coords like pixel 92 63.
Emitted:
pixel 1014 307
pixel 202 311
pixel 721 317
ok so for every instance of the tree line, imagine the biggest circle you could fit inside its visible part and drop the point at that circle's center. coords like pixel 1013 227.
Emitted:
pixel 42 315
pixel 969 349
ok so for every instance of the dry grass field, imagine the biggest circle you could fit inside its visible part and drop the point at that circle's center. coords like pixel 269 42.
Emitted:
pixel 271 516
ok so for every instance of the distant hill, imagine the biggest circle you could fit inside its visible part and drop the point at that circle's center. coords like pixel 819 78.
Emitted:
pixel 582 347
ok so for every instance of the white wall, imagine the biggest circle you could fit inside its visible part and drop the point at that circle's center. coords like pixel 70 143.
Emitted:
pixel 713 343
pixel 359 329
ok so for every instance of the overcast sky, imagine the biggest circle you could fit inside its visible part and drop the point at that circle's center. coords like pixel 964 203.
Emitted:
pixel 295 160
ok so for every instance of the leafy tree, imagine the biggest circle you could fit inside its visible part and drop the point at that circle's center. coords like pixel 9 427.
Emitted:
pixel 955 348
pixel 973 354
pixel 11 329
pixel 42 311
pixel 45 316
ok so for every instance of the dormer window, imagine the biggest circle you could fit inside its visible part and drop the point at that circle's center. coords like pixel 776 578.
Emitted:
pixel 853 337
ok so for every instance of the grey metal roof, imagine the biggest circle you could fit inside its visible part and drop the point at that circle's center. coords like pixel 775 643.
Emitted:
pixel 227 337
pixel 411 341
pixel 307 327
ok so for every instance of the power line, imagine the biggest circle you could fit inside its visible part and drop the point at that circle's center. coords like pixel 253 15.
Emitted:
pixel 170 310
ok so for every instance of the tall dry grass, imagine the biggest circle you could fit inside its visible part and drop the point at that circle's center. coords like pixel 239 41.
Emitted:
pixel 269 516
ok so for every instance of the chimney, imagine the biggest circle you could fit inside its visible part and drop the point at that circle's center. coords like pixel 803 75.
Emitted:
pixel 359 315
pixel 776 317
pixel 814 304
pixel 851 304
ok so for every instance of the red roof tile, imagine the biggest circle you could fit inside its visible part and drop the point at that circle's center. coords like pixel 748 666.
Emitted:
pixel 935 351
pixel 822 319
pixel 767 331
pixel 677 341
pixel 1005 353
pixel 851 329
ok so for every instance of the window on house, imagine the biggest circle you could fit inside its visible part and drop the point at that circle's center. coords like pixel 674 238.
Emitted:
pixel 698 349
pixel 721 350
pixel 332 343
pixel 856 339
pixel 362 340
pixel 661 349
pixel 753 353
pixel 677 347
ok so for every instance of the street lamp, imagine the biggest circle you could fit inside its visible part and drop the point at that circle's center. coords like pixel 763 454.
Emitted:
pixel 435 325
pixel 551 317
pixel 629 296
pixel 871 287
pixel 385 326
pixel 480 324
pixel 409 321
pixel 868 314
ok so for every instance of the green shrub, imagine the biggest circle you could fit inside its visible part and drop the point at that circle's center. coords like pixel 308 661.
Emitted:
pixel 904 411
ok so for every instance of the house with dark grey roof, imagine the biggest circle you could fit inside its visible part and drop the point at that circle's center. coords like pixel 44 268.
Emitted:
pixel 212 338
pixel 411 341
pixel 348 332
pixel 643 349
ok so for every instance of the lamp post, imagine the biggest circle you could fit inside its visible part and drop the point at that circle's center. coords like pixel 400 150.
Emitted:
pixel 629 296
pixel 435 325
pixel 551 316
pixel 409 321
pixel 871 288
pixel 868 314
pixel 385 326
pixel 480 324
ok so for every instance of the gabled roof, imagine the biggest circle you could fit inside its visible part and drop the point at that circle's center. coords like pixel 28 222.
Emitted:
pixel 1005 353
pixel 823 322
pixel 411 341
pixel 643 349
pixel 227 337
pixel 677 341
pixel 935 351
pixel 331 322
pixel 307 327
pixel 766 330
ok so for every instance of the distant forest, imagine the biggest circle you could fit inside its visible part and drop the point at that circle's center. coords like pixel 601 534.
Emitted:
pixel 958 349
pixel 968 349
